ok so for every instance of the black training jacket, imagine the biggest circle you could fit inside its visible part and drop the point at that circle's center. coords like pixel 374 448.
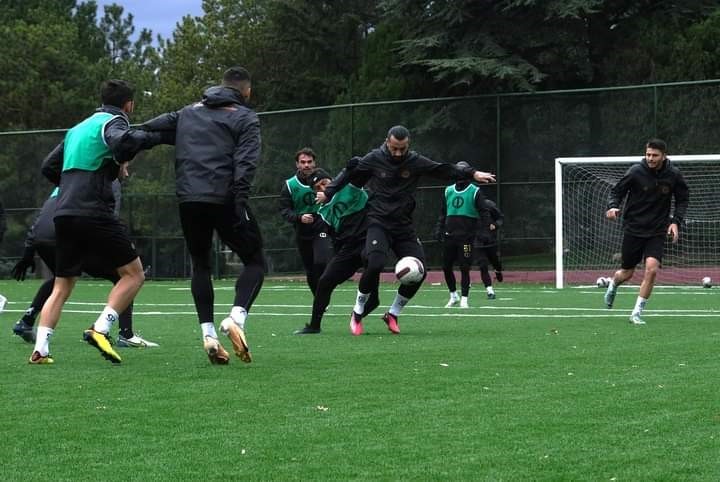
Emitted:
pixel 649 198
pixel 485 236
pixel 391 185
pixel 90 193
pixel 217 147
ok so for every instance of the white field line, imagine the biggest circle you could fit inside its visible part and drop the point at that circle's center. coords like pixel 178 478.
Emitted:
pixel 488 311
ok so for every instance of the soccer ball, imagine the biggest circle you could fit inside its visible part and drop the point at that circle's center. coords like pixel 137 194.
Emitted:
pixel 409 270
pixel 602 282
pixel 707 282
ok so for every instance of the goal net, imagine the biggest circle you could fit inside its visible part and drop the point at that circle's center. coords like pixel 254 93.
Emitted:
pixel 588 244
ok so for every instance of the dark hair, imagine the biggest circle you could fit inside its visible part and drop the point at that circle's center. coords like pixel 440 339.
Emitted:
pixel 307 151
pixel 398 132
pixel 658 144
pixel 116 92
pixel 318 175
pixel 236 77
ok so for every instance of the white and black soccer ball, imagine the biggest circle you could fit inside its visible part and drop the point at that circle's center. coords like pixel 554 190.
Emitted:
pixel 602 282
pixel 409 270
pixel 707 282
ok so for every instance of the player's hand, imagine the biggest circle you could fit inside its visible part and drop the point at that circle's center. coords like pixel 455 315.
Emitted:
pixel 673 232
pixel 320 197
pixel 123 172
pixel 612 213
pixel 307 219
pixel 26 262
pixel 481 176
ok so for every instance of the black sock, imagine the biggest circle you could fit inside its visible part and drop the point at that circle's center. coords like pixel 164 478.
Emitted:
pixel 29 317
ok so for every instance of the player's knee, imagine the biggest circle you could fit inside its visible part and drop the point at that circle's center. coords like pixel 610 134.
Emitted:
pixel 375 262
pixel 140 278
pixel 200 263
pixel 62 288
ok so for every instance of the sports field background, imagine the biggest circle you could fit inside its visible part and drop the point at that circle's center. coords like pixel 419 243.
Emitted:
pixel 538 384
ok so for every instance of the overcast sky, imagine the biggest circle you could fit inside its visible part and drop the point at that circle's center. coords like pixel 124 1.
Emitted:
pixel 160 16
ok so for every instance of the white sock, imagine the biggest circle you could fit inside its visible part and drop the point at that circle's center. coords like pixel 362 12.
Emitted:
pixel 490 290
pixel 42 340
pixel 454 296
pixel 105 321
pixel 398 304
pixel 464 300
pixel 208 329
pixel 611 285
pixel 239 315
pixel 639 305
pixel 360 301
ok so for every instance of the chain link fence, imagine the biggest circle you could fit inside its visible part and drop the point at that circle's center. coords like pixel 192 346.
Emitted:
pixel 517 136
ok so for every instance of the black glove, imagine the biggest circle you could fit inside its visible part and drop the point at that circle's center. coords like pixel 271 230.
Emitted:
pixel 241 212
pixel 27 261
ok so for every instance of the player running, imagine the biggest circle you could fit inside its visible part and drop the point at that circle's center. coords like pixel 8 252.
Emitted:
pixel 650 187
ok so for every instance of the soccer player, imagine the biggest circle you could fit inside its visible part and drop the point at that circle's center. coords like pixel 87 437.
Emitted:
pixel 41 239
pixel 217 149
pixel 650 187
pixel 298 207
pixel 486 247
pixel 391 173
pixel 84 166
pixel 346 216
pixel 463 210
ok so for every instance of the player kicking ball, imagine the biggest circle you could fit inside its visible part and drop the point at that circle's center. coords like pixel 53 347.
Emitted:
pixel 391 174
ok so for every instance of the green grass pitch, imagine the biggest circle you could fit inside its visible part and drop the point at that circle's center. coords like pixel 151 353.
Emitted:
pixel 538 384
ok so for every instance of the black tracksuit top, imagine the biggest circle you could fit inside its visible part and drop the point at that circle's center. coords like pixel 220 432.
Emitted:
pixel 649 198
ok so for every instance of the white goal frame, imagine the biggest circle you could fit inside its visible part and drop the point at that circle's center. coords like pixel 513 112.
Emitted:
pixel 561 161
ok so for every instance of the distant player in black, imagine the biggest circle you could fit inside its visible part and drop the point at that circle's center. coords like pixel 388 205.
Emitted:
pixel 298 207
pixel 217 150
pixel 84 166
pixel 40 239
pixel 463 210
pixel 650 187
pixel 391 174
pixel 346 218
pixel 486 248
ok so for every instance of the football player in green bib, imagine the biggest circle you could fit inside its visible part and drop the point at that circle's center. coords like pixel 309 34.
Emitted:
pixel 298 207
pixel 463 208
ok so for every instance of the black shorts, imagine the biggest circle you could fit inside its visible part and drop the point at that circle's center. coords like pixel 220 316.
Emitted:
pixel 636 249
pixel 80 239
pixel 403 242
pixel 460 251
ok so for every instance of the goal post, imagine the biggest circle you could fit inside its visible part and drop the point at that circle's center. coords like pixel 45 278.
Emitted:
pixel 587 245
